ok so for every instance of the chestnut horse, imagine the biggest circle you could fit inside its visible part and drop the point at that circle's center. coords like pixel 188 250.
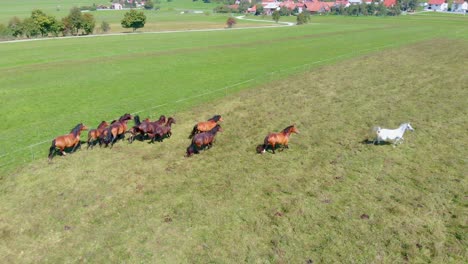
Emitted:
pixel 274 139
pixel 206 126
pixel 95 134
pixel 117 129
pixel 67 141
pixel 162 131
pixel 203 140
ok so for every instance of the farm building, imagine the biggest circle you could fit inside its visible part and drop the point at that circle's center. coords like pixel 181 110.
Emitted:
pixel 457 5
pixel 438 5
pixel 116 6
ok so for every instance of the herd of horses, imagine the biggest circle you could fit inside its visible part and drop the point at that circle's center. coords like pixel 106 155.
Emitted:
pixel 202 135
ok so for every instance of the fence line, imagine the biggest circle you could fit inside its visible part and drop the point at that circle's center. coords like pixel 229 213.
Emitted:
pixel 220 89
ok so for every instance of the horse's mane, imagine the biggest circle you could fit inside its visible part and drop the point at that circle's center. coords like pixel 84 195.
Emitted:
pixel 125 117
pixel 76 129
pixel 215 118
pixel 286 130
pixel 162 118
pixel 102 124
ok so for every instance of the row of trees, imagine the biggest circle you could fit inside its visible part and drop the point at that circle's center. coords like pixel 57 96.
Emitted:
pixel 41 24
pixel 367 10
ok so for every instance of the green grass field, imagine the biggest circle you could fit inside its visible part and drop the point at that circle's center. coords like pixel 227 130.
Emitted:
pixel 330 198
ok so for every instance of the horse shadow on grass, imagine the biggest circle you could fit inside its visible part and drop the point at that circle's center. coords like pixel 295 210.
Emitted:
pixel 371 142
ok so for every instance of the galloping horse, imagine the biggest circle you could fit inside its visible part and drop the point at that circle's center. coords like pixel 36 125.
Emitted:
pixel 116 129
pixel 206 126
pixel 392 135
pixel 162 131
pixel 145 127
pixel 67 141
pixel 203 140
pixel 95 134
pixel 135 130
pixel 274 139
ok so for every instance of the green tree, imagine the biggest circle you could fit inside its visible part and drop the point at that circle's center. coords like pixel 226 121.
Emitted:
pixel 133 19
pixel 258 9
pixel 15 26
pixel 303 18
pixel 75 19
pixel 4 31
pixel 88 23
pixel 243 6
pixel 30 29
pixel 276 16
pixel 56 28
pixel 43 21
pixel 149 5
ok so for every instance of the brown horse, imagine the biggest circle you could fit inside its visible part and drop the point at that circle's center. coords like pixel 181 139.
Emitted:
pixel 203 140
pixel 95 134
pixel 274 139
pixel 145 127
pixel 117 129
pixel 206 126
pixel 67 141
pixel 162 131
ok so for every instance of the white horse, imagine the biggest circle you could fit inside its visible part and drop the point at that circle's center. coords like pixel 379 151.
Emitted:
pixel 392 135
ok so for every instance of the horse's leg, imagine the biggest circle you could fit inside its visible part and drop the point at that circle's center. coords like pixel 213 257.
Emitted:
pixel 74 147
pixel 273 147
pixel 62 150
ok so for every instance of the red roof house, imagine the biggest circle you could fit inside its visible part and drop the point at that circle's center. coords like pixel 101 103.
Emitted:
pixel 389 3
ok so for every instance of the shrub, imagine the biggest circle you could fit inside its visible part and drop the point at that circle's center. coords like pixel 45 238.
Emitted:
pixel 105 27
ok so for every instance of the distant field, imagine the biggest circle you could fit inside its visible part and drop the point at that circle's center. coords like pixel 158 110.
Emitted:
pixel 330 198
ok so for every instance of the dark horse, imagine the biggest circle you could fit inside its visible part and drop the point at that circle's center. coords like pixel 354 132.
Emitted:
pixel 116 129
pixel 145 127
pixel 67 141
pixel 203 140
pixel 162 131
pixel 274 139
pixel 95 134
pixel 206 126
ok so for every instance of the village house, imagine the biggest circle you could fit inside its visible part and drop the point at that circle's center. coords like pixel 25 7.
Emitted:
pixel 116 6
pixel 438 5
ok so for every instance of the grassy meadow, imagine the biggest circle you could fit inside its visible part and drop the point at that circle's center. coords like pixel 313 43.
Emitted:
pixel 330 198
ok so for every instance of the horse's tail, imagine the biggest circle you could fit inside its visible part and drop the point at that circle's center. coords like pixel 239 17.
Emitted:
pixel 52 150
pixel 195 128
pixel 137 120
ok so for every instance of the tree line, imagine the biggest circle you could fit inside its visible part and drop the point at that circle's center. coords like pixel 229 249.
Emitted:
pixel 39 24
